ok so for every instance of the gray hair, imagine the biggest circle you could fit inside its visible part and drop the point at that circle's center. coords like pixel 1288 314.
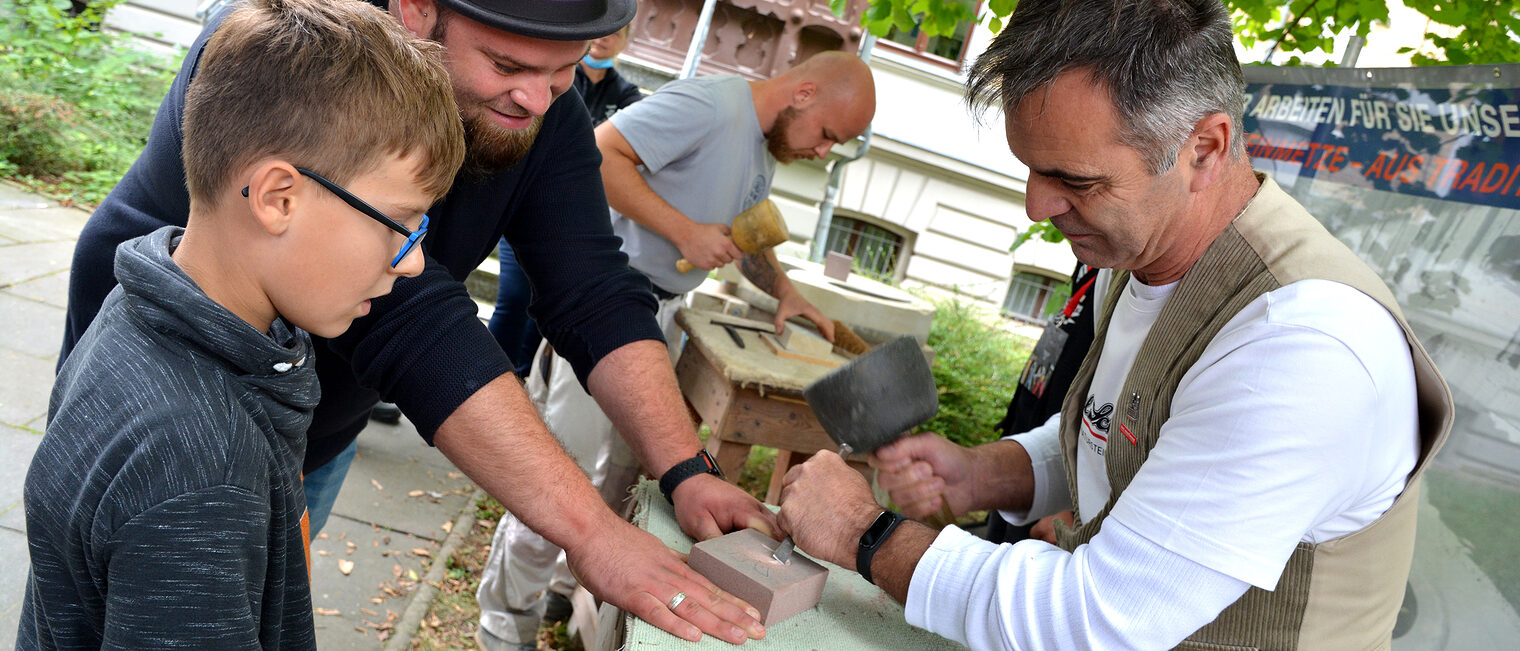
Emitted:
pixel 1165 63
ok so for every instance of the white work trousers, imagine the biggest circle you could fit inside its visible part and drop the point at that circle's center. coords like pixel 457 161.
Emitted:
pixel 523 564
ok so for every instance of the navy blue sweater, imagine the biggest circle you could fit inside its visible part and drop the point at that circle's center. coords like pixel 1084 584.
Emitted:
pixel 422 346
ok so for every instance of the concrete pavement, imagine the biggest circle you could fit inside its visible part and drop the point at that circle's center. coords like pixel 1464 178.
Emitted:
pixel 389 520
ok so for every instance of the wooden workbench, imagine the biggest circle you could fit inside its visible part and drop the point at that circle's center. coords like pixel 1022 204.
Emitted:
pixel 750 396
pixel 853 614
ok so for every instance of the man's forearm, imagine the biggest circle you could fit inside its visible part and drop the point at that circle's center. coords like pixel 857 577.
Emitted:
pixel 1004 477
pixel 498 440
pixel 894 563
pixel 636 387
pixel 764 270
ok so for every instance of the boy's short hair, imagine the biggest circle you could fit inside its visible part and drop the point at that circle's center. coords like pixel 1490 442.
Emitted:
pixel 330 85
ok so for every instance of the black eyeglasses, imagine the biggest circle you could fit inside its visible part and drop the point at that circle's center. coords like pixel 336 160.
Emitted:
pixel 413 238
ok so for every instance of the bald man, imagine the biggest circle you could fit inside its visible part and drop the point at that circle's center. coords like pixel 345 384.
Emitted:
pixel 678 167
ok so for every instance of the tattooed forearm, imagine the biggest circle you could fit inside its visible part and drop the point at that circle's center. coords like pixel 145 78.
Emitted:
pixel 760 271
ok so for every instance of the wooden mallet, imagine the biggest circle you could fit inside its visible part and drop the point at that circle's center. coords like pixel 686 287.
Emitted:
pixel 758 228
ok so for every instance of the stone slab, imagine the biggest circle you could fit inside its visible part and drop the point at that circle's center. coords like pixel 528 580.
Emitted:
pixel 31 327
pixel 741 564
pixel 23 262
pixel 42 224
pixel 344 603
pixel 25 383
pixel 12 585
pixel 52 289
pixel 16 447
pixel 394 462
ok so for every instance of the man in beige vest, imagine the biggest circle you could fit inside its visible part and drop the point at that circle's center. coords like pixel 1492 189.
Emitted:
pixel 1242 445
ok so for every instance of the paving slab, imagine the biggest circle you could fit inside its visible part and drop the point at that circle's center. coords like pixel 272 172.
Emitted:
pixel 28 260
pixel 52 289
pixel 16 447
pixel 41 225
pixel 353 610
pixel 14 196
pixel 31 327
pixel 25 383
pixel 392 464
pixel 12 585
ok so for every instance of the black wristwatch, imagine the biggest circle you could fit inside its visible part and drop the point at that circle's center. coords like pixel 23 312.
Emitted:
pixel 702 464
pixel 871 540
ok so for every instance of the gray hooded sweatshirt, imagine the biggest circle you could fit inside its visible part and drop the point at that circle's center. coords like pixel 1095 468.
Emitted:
pixel 163 506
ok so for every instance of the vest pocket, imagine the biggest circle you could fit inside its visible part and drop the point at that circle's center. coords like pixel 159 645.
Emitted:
pixel 1189 645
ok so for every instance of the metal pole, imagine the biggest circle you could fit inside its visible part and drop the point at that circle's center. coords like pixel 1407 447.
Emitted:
pixel 1353 50
pixel 836 172
pixel 698 40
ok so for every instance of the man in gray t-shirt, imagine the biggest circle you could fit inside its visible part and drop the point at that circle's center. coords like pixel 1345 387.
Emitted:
pixel 678 167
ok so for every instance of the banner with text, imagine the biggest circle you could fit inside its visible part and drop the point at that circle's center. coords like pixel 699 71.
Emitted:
pixel 1459 141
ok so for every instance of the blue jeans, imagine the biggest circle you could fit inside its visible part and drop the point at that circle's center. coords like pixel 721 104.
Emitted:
pixel 322 485
pixel 514 331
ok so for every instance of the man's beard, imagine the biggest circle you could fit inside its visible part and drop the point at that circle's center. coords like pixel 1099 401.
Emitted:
pixel 489 149
pixel 775 139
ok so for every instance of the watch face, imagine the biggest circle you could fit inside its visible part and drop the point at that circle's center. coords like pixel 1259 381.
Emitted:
pixel 878 529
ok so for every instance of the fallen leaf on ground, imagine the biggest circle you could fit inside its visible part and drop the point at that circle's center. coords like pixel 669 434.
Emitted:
pixel 345 566
pixel 414 494
pixel 369 612
pixel 330 612
pixel 447 526
pixel 378 487
pixel 323 552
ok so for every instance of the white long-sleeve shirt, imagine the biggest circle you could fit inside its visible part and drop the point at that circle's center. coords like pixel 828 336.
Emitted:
pixel 1298 422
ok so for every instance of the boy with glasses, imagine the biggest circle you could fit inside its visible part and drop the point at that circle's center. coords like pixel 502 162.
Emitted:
pixel 164 506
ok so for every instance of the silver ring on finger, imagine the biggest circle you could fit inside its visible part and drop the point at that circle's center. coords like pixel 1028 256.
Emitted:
pixel 675 601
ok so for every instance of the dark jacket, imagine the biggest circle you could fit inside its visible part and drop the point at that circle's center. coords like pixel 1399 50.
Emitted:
pixel 603 98
pixel 422 346
pixel 163 506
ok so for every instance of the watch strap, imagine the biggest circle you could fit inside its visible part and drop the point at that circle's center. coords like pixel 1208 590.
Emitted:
pixel 702 464
pixel 881 528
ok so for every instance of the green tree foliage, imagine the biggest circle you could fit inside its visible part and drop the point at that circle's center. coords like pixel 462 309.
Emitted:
pixel 76 102
pixel 976 367
pixel 1488 30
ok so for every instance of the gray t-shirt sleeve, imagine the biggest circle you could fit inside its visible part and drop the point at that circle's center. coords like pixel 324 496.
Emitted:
pixel 659 140
pixel 185 573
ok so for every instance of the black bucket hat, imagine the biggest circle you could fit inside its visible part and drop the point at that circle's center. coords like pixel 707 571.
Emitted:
pixel 556 20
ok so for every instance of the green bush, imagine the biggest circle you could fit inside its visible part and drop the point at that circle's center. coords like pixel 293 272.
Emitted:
pixel 976 367
pixel 76 103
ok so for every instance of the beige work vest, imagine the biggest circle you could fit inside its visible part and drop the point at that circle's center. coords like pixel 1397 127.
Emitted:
pixel 1340 594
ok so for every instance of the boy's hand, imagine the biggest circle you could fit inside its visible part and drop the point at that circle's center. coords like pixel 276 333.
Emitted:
pixel 631 569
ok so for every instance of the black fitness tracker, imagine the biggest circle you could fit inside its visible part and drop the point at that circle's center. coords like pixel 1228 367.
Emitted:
pixel 702 464
pixel 871 540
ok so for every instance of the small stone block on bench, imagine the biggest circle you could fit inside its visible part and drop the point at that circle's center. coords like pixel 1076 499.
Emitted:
pixel 740 563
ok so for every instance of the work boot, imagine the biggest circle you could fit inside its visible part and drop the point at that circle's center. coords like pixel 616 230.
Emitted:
pixel 385 412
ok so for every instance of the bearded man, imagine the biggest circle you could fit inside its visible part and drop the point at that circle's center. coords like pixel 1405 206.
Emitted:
pixel 530 154
pixel 678 167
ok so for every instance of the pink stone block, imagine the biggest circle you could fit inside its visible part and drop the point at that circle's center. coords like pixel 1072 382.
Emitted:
pixel 741 564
